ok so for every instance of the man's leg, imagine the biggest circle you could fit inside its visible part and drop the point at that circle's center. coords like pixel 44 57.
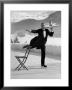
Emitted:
pixel 42 55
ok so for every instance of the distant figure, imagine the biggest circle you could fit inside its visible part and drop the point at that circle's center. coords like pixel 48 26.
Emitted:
pixel 40 41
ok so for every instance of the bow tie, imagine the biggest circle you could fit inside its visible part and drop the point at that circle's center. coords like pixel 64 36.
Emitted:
pixel 43 30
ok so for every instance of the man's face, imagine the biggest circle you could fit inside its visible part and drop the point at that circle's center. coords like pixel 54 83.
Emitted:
pixel 42 25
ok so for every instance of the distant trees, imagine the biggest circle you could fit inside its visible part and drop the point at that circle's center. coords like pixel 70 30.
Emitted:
pixel 11 41
pixel 15 40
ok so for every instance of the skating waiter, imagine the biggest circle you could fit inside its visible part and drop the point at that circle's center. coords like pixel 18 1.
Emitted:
pixel 40 41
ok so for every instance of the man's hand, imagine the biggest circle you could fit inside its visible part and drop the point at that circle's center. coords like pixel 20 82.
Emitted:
pixel 28 30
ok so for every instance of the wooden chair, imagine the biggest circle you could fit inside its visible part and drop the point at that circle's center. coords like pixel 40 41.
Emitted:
pixel 24 59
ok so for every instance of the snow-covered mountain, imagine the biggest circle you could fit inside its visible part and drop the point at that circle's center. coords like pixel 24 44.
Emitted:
pixel 35 24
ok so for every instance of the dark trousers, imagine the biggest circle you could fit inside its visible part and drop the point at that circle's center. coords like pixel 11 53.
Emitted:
pixel 43 55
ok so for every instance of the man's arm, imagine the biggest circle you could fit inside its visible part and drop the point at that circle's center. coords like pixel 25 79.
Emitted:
pixel 34 31
pixel 28 30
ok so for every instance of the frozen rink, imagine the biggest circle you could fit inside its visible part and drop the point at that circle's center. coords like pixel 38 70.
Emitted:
pixel 53 70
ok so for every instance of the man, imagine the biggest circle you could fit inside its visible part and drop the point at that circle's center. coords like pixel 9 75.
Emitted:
pixel 40 41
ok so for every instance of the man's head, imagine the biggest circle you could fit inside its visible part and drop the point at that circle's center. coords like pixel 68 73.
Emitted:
pixel 42 25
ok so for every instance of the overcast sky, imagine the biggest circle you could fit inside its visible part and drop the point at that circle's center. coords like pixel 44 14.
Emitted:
pixel 17 16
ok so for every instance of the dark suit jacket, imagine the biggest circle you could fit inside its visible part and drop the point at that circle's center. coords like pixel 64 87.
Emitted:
pixel 40 40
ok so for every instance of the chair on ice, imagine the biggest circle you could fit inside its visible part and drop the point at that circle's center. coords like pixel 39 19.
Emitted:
pixel 22 59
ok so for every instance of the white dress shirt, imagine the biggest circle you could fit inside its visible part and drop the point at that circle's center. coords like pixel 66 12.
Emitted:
pixel 44 33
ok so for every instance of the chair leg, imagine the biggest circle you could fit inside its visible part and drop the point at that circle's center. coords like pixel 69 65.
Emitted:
pixel 21 63
pixel 23 67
